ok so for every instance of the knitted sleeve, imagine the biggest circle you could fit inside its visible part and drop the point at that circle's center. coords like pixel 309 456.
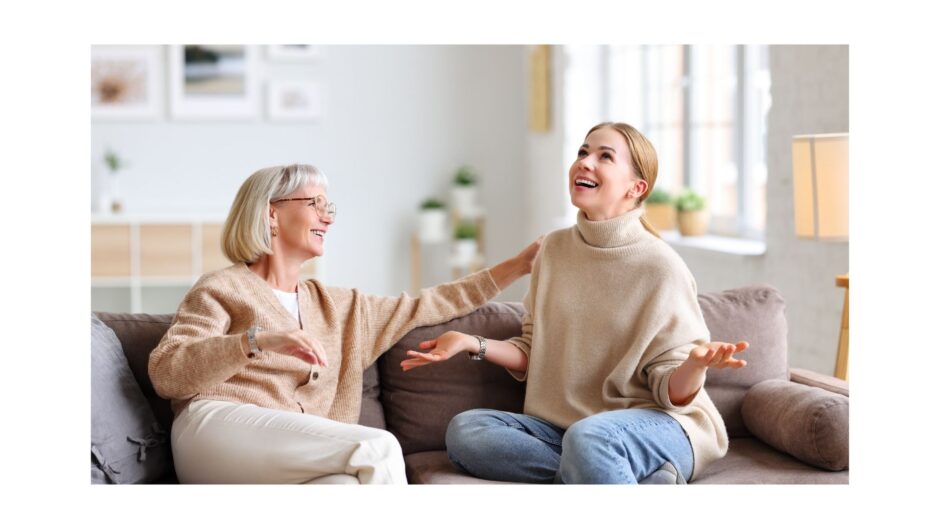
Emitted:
pixel 681 328
pixel 524 341
pixel 384 320
pixel 195 353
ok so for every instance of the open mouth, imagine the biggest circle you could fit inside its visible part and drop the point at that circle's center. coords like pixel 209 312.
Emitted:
pixel 319 233
pixel 584 182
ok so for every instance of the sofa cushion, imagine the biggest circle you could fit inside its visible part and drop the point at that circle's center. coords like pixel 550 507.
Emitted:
pixel 128 445
pixel 420 403
pixel 755 314
pixel 371 413
pixel 809 423
pixel 748 461
pixel 139 335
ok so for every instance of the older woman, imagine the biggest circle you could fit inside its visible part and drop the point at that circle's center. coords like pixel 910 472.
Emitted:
pixel 264 371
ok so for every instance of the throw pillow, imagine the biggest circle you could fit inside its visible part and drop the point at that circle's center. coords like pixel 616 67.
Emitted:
pixel 755 314
pixel 420 403
pixel 810 424
pixel 127 443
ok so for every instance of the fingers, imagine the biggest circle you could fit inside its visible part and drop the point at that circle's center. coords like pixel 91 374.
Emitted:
pixel 304 354
pixel 319 350
pixel 432 356
pixel 428 344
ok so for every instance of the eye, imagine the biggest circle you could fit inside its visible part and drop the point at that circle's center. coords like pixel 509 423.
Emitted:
pixel 607 155
pixel 582 153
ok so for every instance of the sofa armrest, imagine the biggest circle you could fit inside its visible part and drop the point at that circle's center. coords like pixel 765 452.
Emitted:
pixel 809 423
pixel 818 380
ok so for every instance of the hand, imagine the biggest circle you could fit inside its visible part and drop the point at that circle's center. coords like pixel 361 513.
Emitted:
pixel 717 355
pixel 294 343
pixel 444 347
pixel 527 256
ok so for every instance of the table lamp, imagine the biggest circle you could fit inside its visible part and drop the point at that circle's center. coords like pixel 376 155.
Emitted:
pixel 821 206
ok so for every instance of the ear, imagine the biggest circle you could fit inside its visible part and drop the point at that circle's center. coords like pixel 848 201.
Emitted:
pixel 272 216
pixel 639 187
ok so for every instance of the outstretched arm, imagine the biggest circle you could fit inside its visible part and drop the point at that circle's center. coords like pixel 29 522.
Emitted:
pixel 450 343
pixel 689 377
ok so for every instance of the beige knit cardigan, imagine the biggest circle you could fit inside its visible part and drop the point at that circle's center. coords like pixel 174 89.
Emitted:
pixel 204 355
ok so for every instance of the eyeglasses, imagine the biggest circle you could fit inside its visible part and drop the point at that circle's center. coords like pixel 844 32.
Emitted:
pixel 318 203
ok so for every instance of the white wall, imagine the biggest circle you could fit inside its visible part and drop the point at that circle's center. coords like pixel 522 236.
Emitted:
pixel 398 121
pixel 810 93
pixel 810 90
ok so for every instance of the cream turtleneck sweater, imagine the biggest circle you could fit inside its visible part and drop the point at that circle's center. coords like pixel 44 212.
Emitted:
pixel 612 311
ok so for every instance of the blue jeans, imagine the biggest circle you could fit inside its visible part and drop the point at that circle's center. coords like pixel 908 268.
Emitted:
pixel 622 446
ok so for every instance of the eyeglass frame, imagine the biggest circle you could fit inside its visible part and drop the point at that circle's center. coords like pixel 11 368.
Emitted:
pixel 327 206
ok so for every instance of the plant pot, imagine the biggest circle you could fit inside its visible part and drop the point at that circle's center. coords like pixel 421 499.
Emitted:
pixel 432 225
pixel 465 251
pixel 693 223
pixel 465 200
pixel 661 216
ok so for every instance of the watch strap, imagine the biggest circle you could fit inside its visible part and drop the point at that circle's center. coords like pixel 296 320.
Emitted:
pixel 253 341
pixel 482 353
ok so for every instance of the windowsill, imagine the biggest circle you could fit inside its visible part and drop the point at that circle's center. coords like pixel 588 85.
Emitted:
pixel 716 243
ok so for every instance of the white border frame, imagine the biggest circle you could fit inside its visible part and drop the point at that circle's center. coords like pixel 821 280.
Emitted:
pixel 284 52
pixel 153 107
pixel 222 108
pixel 310 88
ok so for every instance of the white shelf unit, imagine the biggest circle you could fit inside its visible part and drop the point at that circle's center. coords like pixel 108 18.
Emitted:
pixel 146 264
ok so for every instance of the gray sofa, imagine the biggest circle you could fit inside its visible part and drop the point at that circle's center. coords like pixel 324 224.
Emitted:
pixel 786 425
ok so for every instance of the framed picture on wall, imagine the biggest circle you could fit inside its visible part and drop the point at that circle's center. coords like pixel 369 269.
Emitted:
pixel 294 52
pixel 294 100
pixel 126 82
pixel 209 81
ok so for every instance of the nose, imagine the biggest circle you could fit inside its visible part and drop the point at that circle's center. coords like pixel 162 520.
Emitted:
pixel 586 163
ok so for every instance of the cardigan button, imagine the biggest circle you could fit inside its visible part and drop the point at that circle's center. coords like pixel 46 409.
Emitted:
pixel 315 375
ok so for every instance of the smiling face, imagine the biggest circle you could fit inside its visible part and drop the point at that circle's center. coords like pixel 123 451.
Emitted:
pixel 602 181
pixel 301 229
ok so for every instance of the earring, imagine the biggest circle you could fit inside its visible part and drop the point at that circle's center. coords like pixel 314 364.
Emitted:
pixel 273 231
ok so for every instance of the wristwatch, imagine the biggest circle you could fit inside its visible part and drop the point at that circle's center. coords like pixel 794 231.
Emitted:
pixel 482 353
pixel 252 341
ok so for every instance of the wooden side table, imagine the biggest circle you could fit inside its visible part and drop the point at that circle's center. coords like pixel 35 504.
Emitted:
pixel 842 357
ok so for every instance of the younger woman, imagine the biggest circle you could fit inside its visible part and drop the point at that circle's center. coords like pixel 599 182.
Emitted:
pixel 614 347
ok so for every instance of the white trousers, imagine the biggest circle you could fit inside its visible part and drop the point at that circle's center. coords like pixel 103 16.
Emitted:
pixel 225 442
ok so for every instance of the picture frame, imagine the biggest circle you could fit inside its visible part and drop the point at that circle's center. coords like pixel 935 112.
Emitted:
pixel 209 81
pixel 294 52
pixel 126 82
pixel 294 100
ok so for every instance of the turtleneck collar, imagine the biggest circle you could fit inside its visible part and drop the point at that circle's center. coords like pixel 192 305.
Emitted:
pixel 612 233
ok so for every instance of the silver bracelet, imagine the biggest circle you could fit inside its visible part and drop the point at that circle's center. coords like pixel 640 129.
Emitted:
pixel 482 353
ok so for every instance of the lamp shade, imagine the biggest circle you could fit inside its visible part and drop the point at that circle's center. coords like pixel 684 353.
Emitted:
pixel 821 186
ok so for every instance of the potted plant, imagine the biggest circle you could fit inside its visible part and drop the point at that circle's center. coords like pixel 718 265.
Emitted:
pixel 432 221
pixel 108 196
pixel 693 218
pixel 466 245
pixel 465 192
pixel 661 210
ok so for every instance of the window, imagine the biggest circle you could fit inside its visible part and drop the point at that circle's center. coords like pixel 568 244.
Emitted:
pixel 703 107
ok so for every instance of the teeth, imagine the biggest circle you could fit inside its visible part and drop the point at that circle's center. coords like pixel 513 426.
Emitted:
pixel 585 182
pixel 318 232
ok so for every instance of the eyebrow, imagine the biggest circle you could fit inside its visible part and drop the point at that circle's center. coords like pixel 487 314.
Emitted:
pixel 602 147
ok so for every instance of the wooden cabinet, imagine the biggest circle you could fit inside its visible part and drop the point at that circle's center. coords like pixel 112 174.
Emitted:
pixel 148 265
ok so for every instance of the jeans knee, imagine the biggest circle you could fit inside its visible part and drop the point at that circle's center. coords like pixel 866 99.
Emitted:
pixel 585 436
pixel 463 438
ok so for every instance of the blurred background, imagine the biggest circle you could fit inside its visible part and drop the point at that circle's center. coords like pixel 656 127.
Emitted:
pixel 446 159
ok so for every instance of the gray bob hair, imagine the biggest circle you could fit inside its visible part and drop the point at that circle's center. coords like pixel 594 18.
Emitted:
pixel 247 231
